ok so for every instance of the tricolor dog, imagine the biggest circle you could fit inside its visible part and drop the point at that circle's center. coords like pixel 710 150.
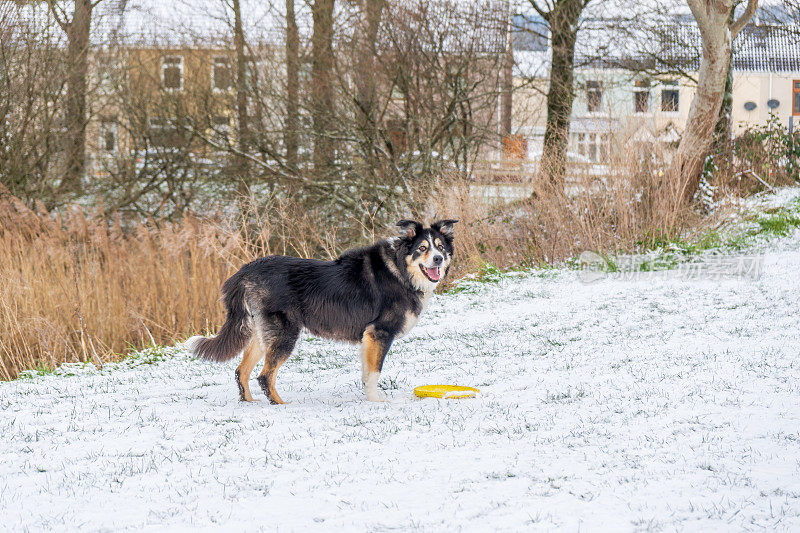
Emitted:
pixel 369 296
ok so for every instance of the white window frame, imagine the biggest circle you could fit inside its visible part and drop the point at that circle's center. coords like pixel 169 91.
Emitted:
pixel 670 85
pixel 599 90
pixel 642 89
pixel 165 65
pixel 592 145
pixel 213 77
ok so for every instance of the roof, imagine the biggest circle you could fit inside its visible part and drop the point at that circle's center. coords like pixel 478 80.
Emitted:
pixel 450 25
pixel 666 45
pixel 453 25
pixel 757 48
pixel 768 48
pixel 162 22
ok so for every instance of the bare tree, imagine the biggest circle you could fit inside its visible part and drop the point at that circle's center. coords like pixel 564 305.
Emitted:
pixel 507 78
pixel 32 78
pixel 292 122
pixel 78 29
pixel 562 17
pixel 243 132
pixel 717 32
pixel 366 98
pixel 322 88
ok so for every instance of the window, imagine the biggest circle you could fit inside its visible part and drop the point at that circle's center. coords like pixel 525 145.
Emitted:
pixel 108 137
pixel 592 146
pixel 594 96
pixel 222 129
pixel 396 134
pixel 530 33
pixel 796 98
pixel 221 79
pixel 164 133
pixel 670 97
pixel 641 96
pixel 172 73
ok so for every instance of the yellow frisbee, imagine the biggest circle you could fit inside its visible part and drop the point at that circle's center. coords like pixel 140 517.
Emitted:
pixel 449 392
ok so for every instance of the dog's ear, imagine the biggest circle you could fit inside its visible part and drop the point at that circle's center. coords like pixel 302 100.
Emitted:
pixel 445 227
pixel 409 228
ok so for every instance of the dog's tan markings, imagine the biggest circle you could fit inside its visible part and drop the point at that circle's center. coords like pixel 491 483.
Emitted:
pixel 272 363
pixel 371 349
pixel 251 356
pixel 425 251
pixel 371 352
pixel 267 381
pixel 418 279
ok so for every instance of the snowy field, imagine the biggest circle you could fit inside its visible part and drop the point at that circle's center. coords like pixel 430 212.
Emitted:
pixel 658 403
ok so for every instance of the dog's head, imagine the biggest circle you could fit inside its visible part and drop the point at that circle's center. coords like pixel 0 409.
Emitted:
pixel 427 252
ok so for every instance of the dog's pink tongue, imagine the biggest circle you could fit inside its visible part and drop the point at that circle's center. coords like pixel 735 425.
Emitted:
pixel 433 273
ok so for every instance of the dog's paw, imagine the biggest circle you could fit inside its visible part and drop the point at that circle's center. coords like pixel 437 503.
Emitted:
pixel 377 396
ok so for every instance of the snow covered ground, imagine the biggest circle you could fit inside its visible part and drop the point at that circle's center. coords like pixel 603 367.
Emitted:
pixel 655 403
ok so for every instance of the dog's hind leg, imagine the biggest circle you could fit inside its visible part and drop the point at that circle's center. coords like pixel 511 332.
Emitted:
pixel 252 353
pixel 375 344
pixel 280 345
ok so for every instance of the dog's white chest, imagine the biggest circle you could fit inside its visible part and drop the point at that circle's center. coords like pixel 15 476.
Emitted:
pixel 410 322
pixel 411 318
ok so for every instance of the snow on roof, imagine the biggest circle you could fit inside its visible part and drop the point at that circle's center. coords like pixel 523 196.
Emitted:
pixel 193 22
pixel 453 25
pixel 165 23
pixel 662 45
pixel 768 48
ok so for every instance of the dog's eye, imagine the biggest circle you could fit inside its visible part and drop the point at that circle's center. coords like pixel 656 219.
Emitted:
pixel 423 247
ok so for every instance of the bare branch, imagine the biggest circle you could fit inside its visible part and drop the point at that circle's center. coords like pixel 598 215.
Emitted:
pixel 742 21
pixel 60 18
pixel 543 12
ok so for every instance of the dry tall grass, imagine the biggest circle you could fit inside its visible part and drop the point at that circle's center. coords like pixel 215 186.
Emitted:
pixel 628 208
pixel 77 288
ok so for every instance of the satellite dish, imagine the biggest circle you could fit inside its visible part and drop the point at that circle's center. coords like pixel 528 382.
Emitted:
pixel 772 103
pixel 749 105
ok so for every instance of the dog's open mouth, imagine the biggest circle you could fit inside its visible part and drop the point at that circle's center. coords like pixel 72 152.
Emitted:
pixel 431 273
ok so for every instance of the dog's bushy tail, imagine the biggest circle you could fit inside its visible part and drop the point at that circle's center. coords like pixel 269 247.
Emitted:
pixel 234 334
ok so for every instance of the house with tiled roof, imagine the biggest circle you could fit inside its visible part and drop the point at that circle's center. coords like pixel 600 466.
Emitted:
pixel 636 81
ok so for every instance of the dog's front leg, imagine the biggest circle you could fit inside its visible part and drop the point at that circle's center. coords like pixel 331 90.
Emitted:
pixel 375 344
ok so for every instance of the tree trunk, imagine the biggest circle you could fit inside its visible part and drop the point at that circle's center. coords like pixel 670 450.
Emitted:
pixel 242 130
pixel 687 164
pixel 322 105
pixel 563 21
pixel 507 82
pixel 723 131
pixel 716 33
pixel 292 126
pixel 75 112
pixel 365 81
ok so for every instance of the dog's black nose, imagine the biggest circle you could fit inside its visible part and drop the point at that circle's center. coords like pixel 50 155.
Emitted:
pixel 437 260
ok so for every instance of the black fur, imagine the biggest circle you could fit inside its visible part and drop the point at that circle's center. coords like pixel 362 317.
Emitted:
pixel 338 299
pixel 235 332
